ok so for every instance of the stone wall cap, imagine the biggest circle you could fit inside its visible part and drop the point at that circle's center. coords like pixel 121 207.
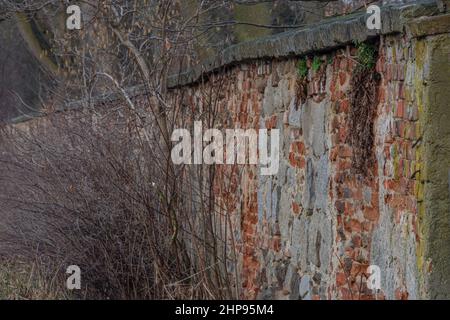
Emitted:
pixel 328 34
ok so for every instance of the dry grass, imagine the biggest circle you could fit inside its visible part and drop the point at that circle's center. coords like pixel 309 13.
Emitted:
pixel 19 281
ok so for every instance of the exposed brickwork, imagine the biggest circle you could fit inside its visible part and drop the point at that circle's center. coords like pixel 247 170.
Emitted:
pixel 307 232
pixel 354 198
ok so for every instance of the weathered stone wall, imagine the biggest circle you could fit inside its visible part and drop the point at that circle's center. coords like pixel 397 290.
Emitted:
pixel 312 230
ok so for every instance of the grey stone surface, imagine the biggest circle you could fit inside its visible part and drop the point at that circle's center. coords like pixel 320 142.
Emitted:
pixel 268 100
pixel 294 119
pixel 309 195
pixel 436 139
pixel 313 124
pixel 393 250
pixel 305 288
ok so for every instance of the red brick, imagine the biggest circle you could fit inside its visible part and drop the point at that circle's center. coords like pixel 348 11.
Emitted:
pixel 345 151
pixel 380 64
pixel 342 78
pixel 302 163
pixel 243 118
pixel 244 103
pixel 343 132
pixel 333 154
pixel 339 177
pixel 357 194
pixel 344 164
pixel 401 72
pixel 401 294
pixel 298 147
pixel 374 199
pixel 296 161
pixel 271 123
pixel 399 128
pixel 246 85
pixel 371 214
pixel 341 279
pixel 343 64
pixel 335 123
pixel 336 63
pixel 340 206
pixel 339 220
pixel 276 243
pixel 355 225
pixel 388 73
pixel 356 239
pixel 357 268
pixel 400 110
pixel 332 86
pixel 381 95
pixel 344 106
pixel 295 208
pixel 349 209
pixel 346 294
pixel 401 90
pixel 389 184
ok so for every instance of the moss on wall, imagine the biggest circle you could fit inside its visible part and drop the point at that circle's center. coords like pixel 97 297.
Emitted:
pixel 417 96
pixel 436 144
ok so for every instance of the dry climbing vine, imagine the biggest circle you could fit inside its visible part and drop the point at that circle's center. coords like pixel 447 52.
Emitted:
pixel 363 102
pixel 302 82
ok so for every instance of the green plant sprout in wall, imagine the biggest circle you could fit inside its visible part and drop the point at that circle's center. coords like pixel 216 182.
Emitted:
pixel 330 59
pixel 366 55
pixel 317 62
pixel 302 68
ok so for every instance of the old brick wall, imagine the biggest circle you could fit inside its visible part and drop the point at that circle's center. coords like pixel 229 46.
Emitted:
pixel 312 230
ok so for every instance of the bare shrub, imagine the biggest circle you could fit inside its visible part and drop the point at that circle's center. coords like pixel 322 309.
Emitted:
pixel 91 189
